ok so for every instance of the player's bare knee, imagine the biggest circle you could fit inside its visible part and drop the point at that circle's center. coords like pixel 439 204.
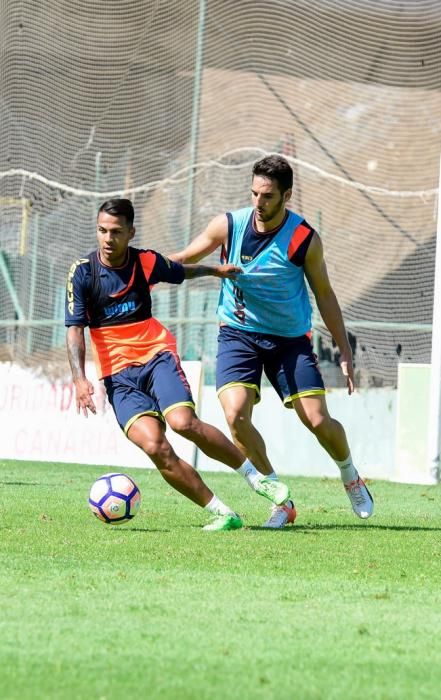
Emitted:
pixel 157 450
pixel 236 420
pixel 187 425
pixel 317 424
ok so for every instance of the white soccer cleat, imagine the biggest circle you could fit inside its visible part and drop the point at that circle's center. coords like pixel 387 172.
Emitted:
pixel 281 516
pixel 361 500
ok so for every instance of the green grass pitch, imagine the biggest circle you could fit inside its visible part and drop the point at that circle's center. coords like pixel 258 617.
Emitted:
pixel 332 608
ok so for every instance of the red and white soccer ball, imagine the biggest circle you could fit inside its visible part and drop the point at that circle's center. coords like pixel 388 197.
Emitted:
pixel 114 498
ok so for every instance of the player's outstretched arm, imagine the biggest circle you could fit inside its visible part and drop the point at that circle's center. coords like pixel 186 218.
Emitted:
pixel 317 276
pixel 215 235
pixel 76 353
pixel 223 271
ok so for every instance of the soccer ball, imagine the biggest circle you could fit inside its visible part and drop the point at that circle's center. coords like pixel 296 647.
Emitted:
pixel 114 498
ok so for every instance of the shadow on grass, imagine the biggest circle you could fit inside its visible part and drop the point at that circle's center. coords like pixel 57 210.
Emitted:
pixel 143 529
pixel 300 529
pixel 307 529
pixel 23 483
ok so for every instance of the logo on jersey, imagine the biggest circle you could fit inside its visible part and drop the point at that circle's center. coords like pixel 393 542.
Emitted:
pixel 69 285
pixel 125 307
pixel 239 303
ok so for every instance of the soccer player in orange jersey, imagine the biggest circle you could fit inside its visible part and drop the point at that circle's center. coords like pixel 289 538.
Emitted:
pixel 265 322
pixel 109 292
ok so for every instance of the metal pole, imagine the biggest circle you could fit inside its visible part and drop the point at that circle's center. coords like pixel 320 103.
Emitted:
pixel 10 287
pixel 51 300
pixel 25 211
pixel 194 134
pixel 194 139
pixel 96 204
pixel 434 428
pixel 315 313
pixel 33 277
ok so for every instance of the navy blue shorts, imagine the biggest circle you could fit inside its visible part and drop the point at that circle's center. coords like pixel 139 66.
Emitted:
pixel 152 389
pixel 289 363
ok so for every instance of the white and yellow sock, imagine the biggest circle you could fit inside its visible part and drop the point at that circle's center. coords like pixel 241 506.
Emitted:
pixel 216 507
pixel 249 473
pixel 348 472
pixel 272 477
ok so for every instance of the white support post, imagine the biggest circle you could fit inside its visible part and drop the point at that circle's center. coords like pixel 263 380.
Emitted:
pixel 434 427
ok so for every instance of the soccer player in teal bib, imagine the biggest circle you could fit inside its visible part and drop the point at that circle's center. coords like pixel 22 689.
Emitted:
pixel 265 325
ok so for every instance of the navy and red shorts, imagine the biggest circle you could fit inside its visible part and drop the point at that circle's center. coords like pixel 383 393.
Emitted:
pixel 152 389
pixel 289 363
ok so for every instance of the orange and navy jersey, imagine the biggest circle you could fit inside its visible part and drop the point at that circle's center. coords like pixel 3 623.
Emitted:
pixel 115 303
pixel 254 242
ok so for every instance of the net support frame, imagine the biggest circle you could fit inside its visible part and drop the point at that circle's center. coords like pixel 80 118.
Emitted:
pixel 434 427
pixel 194 145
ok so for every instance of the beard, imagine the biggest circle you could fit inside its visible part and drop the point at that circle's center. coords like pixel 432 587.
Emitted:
pixel 269 214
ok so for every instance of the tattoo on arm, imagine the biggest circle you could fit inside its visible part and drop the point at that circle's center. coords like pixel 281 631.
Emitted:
pixel 76 352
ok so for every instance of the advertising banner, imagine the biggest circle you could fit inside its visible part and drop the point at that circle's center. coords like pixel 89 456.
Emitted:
pixel 40 422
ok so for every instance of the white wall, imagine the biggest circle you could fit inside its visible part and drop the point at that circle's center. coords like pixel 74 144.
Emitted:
pixel 368 416
pixel 39 422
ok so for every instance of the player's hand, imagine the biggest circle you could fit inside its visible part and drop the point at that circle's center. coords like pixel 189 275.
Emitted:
pixel 228 271
pixel 83 393
pixel 348 370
